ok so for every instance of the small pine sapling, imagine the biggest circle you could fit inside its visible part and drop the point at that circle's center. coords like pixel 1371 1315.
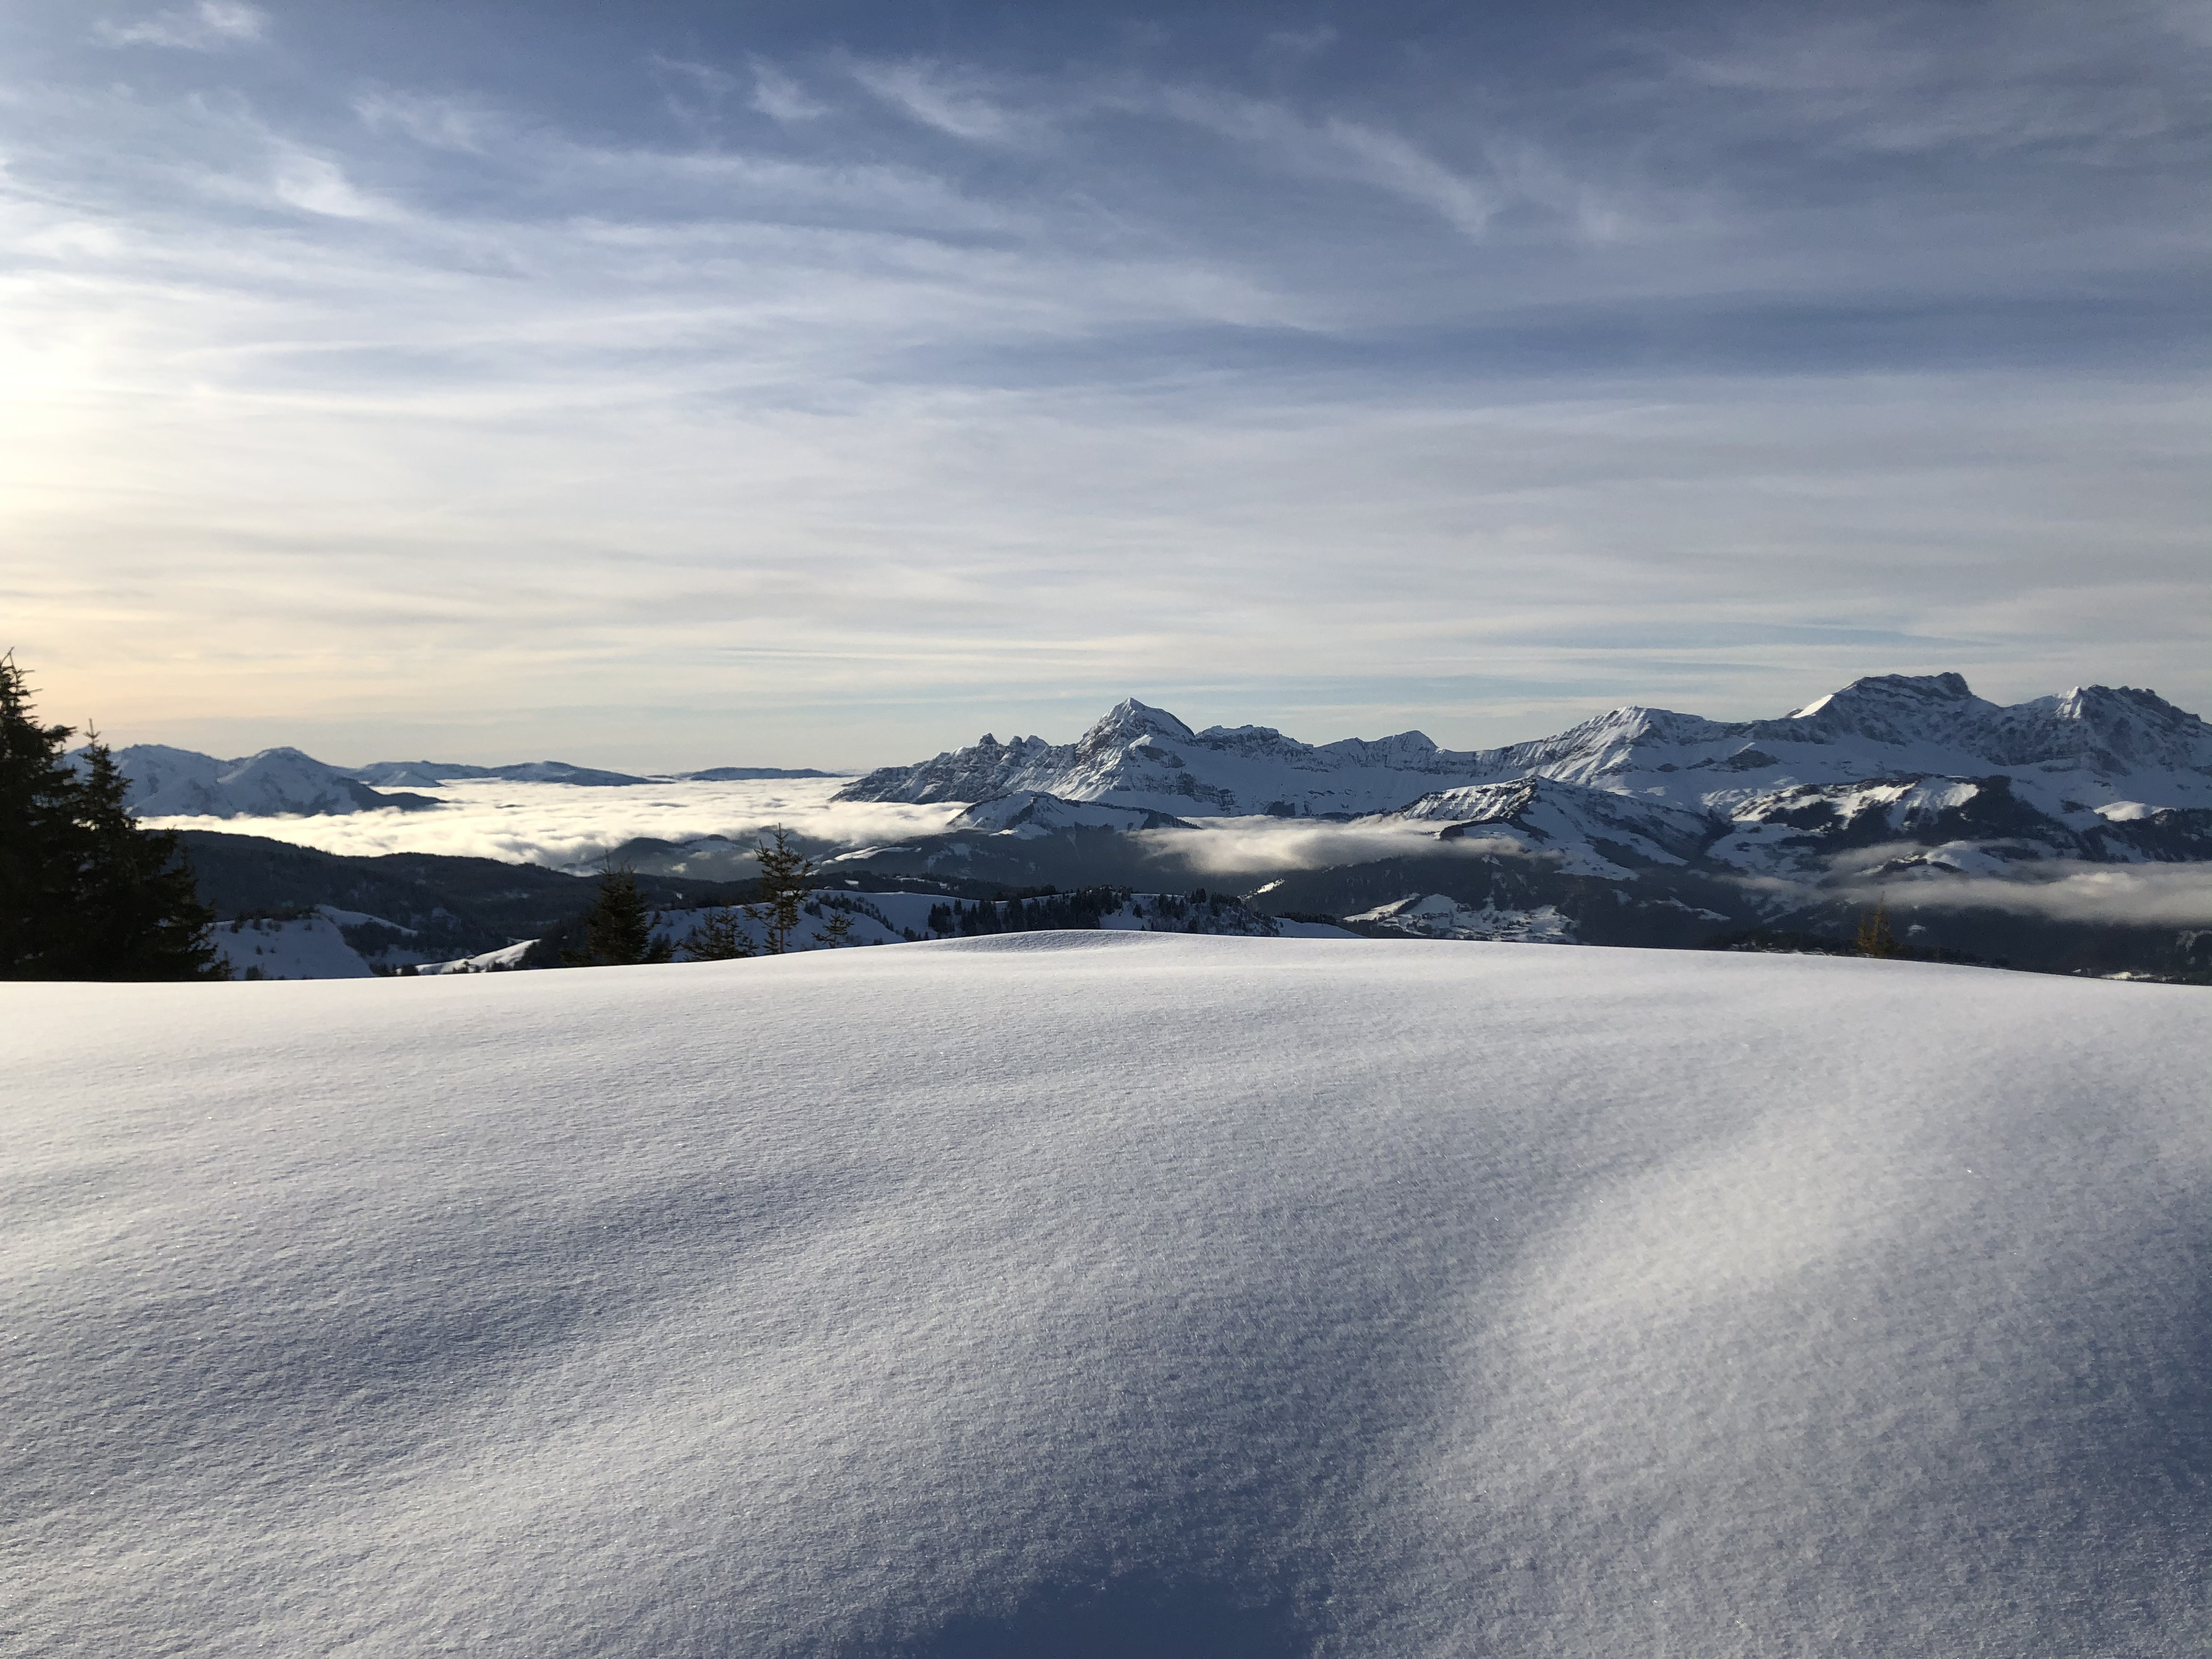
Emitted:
pixel 1874 937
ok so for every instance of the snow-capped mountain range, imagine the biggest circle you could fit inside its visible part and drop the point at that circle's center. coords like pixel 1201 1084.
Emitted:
pixel 1145 758
pixel 2110 775
pixel 1641 826
pixel 2097 750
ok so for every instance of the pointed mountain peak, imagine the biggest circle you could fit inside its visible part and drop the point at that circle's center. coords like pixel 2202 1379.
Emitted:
pixel 1129 720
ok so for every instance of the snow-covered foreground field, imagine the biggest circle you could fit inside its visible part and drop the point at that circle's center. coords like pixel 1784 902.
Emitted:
pixel 1090 1294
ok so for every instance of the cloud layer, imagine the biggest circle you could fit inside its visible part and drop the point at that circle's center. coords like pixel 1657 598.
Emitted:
pixel 660 395
pixel 566 827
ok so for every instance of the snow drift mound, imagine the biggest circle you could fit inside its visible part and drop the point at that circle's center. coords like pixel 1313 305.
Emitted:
pixel 1174 1296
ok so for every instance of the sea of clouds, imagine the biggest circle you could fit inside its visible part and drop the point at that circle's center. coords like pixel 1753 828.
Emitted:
pixel 567 827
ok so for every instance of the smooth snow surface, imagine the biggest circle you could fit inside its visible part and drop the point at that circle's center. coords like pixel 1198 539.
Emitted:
pixel 1128 1294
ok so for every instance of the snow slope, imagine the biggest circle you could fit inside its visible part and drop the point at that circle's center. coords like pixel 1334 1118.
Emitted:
pixel 297 947
pixel 1110 1294
pixel 1030 813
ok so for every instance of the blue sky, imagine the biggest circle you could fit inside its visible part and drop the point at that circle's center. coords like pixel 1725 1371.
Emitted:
pixel 675 383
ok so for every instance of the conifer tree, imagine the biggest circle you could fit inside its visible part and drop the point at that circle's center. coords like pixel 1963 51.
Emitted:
pixel 719 937
pixel 140 912
pixel 84 892
pixel 35 790
pixel 618 931
pixel 784 873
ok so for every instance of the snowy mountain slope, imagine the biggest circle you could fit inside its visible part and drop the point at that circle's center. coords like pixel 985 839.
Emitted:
pixel 507 959
pixel 1594 832
pixel 169 782
pixel 1110 1294
pixel 1030 813
pixel 296 947
pixel 872 919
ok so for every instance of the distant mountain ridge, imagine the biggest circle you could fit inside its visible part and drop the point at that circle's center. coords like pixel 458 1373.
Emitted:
pixel 167 783
pixel 426 773
pixel 2093 748
pixel 1640 826
pixel 1140 757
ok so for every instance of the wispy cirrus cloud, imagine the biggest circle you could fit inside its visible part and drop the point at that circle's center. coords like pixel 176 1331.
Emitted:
pixel 1298 380
pixel 782 97
pixel 948 100
pixel 206 26
pixel 441 123
pixel 1900 81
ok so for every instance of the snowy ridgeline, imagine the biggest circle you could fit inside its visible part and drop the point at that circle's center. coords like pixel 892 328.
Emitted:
pixel 1107 1293
pixel 323 945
